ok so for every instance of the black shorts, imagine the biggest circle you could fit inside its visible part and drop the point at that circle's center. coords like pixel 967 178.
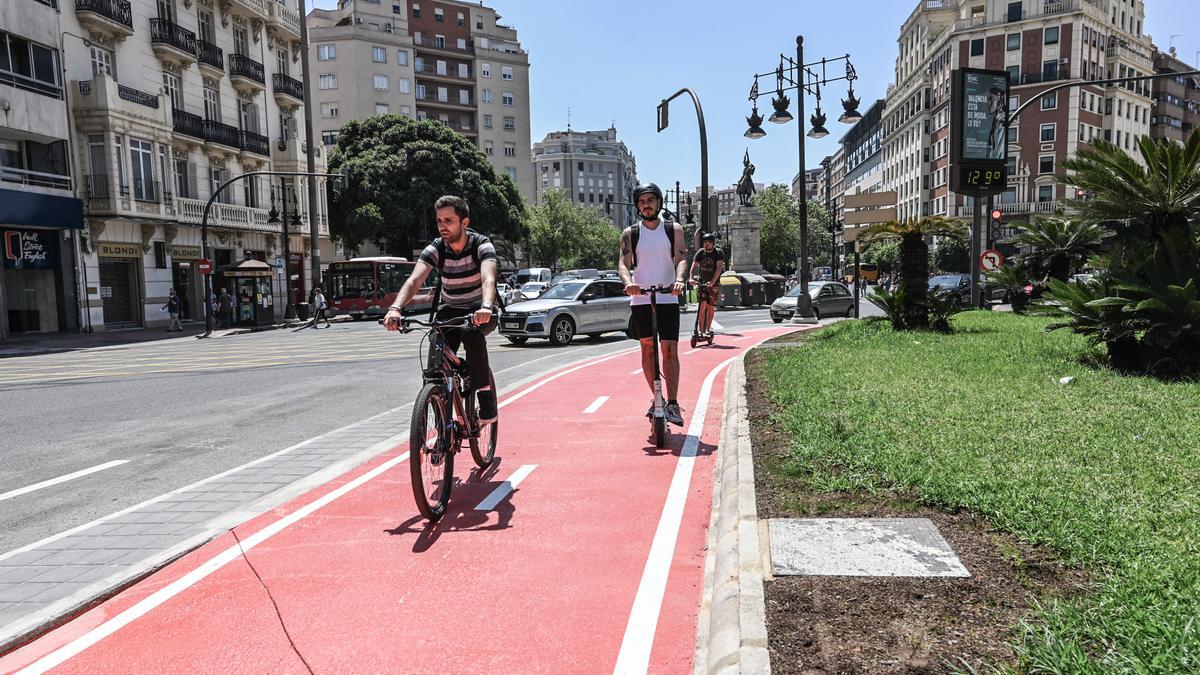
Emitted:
pixel 667 315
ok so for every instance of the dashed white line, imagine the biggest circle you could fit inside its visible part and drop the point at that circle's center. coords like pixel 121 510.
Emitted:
pixel 595 405
pixel 506 487
pixel 636 372
pixel 61 479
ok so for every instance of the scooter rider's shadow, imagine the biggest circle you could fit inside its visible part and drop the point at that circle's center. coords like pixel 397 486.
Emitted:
pixel 675 445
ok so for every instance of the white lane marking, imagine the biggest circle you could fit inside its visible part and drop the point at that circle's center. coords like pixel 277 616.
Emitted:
pixel 636 372
pixel 595 405
pixel 506 487
pixel 744 337
pixel 716 325
pixel 529 390
pixel 634 656
pixel 61 479
pixel 77 646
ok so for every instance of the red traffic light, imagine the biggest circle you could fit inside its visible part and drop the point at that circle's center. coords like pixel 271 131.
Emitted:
pixel 996 214
pixel 1079 194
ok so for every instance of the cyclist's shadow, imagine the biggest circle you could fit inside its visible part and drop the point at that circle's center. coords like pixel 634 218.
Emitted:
pixel 460 513
pixel 675 447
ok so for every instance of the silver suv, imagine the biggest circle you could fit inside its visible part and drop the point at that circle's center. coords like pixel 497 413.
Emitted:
pixel 587 306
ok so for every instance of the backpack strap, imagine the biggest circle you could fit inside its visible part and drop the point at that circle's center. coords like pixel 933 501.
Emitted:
pixel 668 227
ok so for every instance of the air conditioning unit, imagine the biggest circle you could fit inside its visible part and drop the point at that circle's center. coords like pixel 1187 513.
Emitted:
pixel 388 28
pixel 1064 60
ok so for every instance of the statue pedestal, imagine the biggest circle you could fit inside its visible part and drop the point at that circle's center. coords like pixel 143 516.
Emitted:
pixel 745 225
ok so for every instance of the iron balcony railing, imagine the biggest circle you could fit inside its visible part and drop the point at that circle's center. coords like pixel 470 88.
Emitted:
pixel 210 54
pixel 165 32
pixel 216 132
pixel 98 187
pixel 434 43
pixel 187 123
pixel 115 10
pixel 286 85
pixel 244 66
pixel 146 191
pixel 137 96
pixel 256 143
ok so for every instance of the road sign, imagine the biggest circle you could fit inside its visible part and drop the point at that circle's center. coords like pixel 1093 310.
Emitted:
pixel 204 265
pixel 279 261
pixel 991 260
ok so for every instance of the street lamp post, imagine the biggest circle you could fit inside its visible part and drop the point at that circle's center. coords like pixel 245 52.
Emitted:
pixel 795 74
pixel 706 224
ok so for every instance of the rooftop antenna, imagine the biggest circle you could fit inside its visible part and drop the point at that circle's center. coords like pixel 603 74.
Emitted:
pixel 568 119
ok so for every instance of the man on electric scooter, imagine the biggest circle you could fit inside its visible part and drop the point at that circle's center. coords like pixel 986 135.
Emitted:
pixel 710 261
pixel 656 253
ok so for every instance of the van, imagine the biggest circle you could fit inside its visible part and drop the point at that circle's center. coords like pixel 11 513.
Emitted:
pixel 524 276
pixel 583 274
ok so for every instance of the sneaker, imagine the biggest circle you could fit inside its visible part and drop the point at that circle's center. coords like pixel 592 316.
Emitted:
pixel 674 414
pixel 487 406
pixel 650 410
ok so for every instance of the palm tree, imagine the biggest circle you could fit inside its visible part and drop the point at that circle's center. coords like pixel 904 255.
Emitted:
pixel 1061 245
pixel 914 259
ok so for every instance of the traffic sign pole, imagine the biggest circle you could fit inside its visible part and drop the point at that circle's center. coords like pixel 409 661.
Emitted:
pixel 976 249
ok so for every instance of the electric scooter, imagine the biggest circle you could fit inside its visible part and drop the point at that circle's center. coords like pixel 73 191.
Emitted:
pixel 658 417
pixel 697 336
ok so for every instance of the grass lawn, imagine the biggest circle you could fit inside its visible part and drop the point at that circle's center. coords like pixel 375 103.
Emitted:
pixel 1105 471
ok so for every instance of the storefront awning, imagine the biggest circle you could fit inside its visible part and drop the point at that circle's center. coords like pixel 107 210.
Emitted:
pixel 33 209
pixel 247 268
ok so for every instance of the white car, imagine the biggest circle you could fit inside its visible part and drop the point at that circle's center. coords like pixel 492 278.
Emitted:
pixel 533 289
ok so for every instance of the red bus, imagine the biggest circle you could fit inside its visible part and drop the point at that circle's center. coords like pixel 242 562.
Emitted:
pixel 366 287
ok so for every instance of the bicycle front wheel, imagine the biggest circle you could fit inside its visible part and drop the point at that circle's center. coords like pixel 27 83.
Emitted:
pixel 483 445
pixel 430 460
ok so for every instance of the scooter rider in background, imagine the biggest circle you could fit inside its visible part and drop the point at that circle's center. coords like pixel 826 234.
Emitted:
pixel 710 262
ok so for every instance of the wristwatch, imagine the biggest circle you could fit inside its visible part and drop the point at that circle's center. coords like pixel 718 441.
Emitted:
pixel 490 308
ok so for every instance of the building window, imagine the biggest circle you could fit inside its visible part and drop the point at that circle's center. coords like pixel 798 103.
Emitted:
pixel 1046 164
pixel 1047 133
pixel 329 110
pixel 141 164
pixel 462 43
pixel 1010 165
pixel 506 72
pixel 1049 70
pixel 171 85
pixel 212 104
pixel 511 171
pixel 1014 74
pixel 438 15
pixel 510 124
pixel 397 9
pixel 421 92
pixel 102 62
pixel 464 97
pixel 489 148
pixel 506 98
pixel 416 11
pixel 1050 101
pixel 378 54
pixel 441 68
pixel 510 150
pixel 485 70
pixel 1013 133
pixel 1013 42
pixel 1050 36
pixel 439 41
pixel 381 108
pixel 329 137
pixel 1045 193
pixel 326 52
pixel 403 84
pixel 381 83
pixel 402 57
pixel 487 95
pixel 328 81
pixel 487 121
pixel 977 47
pixel 443 94
pixel 35 66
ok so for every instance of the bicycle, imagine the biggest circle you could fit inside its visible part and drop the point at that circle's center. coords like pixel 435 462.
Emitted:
pixel 658 418
pixel 444 416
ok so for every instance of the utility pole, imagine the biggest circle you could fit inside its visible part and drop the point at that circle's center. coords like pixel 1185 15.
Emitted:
pixel 314 238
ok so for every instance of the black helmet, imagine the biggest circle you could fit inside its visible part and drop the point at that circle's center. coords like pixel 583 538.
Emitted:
pixel 708 236
pixel 647 187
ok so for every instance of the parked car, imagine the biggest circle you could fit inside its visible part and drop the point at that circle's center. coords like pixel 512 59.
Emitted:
pixel 588 306
pixel 533 289
pixel 959 285
pixel 829 298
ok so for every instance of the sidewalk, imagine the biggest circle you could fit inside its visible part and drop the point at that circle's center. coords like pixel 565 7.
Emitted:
pixel 582 549
pixel 27 344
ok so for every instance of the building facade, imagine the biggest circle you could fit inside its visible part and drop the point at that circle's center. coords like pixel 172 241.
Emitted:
pixel 592 168
pixel 448 61
pixel 1176 99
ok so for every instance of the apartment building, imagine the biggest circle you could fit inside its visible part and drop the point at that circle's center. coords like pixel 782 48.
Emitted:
pixel 1039 43
pixel 591 167
pixel 448 61
pixel 1176 99
pixel 40 217
pixel 812 177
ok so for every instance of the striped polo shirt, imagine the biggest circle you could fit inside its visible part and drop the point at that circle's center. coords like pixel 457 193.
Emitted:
pixel 462 283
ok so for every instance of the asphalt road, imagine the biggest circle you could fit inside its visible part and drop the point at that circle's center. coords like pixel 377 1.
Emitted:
pixel 181 410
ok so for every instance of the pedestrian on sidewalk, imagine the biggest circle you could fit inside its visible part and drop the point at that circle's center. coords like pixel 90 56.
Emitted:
pixel 655 251
pixel 320 308
pixel 173 307
pixel 225 308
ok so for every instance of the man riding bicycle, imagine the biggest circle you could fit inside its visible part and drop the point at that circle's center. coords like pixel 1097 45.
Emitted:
pixel 710 261
pixel 656 253
pixel 466 262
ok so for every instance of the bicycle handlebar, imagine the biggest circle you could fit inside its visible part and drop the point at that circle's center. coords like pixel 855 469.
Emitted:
pixel 406 323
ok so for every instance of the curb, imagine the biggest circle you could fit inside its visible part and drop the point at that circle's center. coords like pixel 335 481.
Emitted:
pixel 732 626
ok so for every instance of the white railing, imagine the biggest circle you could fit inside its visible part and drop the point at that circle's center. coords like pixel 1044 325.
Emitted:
pixel 1013 207
pixel 289 17
pixel 256 6
pixel 34 178
pixel 224 215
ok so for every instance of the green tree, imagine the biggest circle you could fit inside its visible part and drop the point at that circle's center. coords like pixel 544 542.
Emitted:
pixel 914 262
pixel 597 241
pixel 552 225
pixel 1060 245
pixel 398 167
pixel 779 238
pixel 952 256
pixel 884 254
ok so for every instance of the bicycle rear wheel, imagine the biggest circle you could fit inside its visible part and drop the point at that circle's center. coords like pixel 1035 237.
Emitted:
pixel 430 461
pixel 483 445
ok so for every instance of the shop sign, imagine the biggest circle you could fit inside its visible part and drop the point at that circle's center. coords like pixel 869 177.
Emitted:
pixel 185 252
pixel 114 250
pixel 29 250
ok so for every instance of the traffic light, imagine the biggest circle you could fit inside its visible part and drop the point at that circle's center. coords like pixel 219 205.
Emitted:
pixel 995 225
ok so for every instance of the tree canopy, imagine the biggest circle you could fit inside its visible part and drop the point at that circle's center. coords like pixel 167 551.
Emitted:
pixel 779 239
pixel 398 167
pixel 566 235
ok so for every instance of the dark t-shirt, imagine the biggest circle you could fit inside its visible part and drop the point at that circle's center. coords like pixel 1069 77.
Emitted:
pixel 708 263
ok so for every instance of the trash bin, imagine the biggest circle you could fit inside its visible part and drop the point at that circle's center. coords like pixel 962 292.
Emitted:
pixel 302 311
pixel 754 291
pixel 774 287
pixel 731 291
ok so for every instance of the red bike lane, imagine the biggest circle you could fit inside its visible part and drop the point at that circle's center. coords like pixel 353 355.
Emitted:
pixel 593 562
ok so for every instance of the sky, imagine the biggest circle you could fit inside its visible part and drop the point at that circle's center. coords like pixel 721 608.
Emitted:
pixel 611 62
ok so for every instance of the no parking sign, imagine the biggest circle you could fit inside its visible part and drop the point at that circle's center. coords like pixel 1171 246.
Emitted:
pixel 991 260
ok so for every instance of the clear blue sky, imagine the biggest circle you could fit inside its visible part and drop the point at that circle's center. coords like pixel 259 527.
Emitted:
pixel 611 62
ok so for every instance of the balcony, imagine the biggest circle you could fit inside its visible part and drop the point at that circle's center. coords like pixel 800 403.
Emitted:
pixel 112 19
pixel 28 178
pixel 229 216
pixel 289 92
pixel 172 43
pixel 253 143
pixel 187 124
pixel 429 70
pixel 288 154
pixel 221 137
pixel 442 45
pixel 449 103
pixel 255 9
pixel 145 191
pixel 1039 78
pixel 1013 208
pixel 285 18
pixel 211 58
pixel 98 100
pixel 246 74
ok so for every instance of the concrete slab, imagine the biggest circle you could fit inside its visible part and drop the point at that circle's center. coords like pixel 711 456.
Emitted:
pixel 874 547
